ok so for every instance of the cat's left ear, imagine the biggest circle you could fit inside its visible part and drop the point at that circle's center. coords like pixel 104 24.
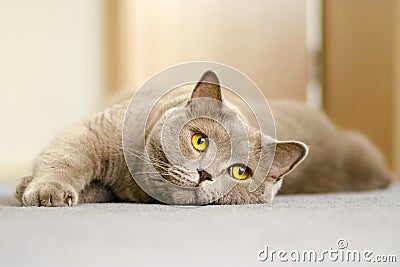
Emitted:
pixel 208 86
pixel 288 155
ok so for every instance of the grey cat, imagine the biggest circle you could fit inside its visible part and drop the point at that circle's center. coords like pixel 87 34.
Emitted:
pixel 87 163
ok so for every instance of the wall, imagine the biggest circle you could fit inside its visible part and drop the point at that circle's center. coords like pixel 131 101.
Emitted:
pixel 52 69
pixel 59 58
pixel 263 39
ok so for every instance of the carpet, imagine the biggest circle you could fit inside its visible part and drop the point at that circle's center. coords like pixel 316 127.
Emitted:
pixel 125 234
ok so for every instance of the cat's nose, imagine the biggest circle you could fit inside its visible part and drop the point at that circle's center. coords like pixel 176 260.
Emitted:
pixel 203 175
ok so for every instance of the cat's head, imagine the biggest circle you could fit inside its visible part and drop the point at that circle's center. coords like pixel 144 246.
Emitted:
pixel 208 150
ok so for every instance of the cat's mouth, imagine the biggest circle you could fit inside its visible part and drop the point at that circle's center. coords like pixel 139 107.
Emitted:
pixel 183 179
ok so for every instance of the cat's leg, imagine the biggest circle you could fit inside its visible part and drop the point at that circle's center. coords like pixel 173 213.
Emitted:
pixel 96 192
pixel 49 195
pixel 91 151
pixel 60 173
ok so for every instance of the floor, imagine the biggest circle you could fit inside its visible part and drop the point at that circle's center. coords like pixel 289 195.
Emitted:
pixel 160 235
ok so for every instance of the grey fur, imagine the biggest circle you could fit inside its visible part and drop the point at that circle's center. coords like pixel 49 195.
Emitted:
pixel 87 164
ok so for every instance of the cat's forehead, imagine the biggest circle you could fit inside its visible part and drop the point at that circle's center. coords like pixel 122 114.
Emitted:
pixel 212 109
pixel 218 123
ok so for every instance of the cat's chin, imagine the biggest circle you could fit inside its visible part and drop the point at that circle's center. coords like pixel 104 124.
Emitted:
pixel 186 184
pixel 192 194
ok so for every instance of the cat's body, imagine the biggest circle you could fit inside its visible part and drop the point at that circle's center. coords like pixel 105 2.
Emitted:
pixel 87 164
pixel 339 160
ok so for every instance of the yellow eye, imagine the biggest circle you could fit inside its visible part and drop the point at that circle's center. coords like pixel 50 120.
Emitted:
pixel 239 171
pixel 199 142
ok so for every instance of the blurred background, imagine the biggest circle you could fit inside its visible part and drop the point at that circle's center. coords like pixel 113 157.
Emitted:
pixel 63 60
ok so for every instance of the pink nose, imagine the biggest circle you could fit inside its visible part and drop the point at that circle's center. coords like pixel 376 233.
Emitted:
pixel 203 175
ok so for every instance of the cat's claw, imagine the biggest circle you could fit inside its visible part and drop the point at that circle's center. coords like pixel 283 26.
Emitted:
pixel 69 201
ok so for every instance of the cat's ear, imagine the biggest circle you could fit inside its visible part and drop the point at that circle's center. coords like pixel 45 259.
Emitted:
pixel 208 86
pixel 287 156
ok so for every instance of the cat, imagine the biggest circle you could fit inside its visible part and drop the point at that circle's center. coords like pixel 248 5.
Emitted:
pixel 87 163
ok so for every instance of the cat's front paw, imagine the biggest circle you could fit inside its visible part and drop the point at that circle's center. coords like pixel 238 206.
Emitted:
pixel 49 194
